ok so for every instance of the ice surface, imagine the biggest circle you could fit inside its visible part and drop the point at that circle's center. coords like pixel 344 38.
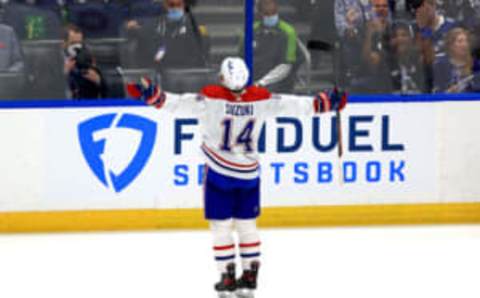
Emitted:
pixel 426 262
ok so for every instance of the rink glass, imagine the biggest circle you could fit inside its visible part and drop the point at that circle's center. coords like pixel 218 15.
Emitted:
pixel 366 47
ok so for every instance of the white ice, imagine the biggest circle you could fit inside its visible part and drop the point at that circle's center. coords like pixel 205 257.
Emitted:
pixel 403 262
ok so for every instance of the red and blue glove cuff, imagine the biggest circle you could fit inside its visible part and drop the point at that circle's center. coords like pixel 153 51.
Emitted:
pixel 330 100
pixel 148 93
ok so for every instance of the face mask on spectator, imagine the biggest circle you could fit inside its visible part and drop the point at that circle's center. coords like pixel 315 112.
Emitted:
pixel 270 21
pixel 175 14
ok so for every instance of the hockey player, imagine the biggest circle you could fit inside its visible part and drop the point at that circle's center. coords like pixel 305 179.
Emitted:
pixel 232 116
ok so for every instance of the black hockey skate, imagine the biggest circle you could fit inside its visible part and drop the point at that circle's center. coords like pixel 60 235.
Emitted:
pixel 227 285
pixel 247 284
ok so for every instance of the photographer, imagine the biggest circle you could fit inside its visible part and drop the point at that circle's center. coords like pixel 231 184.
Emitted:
pixel 375 49
pixel 84 79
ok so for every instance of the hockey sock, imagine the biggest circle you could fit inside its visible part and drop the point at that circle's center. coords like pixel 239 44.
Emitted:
pixel 223 243
pixel 249 242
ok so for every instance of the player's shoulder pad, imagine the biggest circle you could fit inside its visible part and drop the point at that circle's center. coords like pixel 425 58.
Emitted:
pixel 216 92
pixel 256 93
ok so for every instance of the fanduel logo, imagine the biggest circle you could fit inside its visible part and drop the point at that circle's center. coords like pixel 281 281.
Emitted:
pixel 94 134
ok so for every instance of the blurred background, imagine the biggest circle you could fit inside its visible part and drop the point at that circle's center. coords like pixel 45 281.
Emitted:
pixel 86 49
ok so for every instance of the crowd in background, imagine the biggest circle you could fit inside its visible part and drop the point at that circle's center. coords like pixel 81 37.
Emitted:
pixel 427 47
pixel 83 49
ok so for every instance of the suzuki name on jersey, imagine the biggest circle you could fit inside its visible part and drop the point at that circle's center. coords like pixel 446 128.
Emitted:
pixel 239 110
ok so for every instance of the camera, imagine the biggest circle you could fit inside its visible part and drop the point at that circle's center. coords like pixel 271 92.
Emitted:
pixel 82 57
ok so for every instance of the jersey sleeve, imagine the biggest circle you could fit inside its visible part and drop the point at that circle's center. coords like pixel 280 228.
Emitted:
pixel 286 104
pixel 186 103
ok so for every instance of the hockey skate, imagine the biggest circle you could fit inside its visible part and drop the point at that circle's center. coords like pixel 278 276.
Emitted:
pixel 227 285
pixel 247 284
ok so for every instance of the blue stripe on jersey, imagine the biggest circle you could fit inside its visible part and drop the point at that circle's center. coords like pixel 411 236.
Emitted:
pixel 225 258
pixel 253 255
pixel 227 167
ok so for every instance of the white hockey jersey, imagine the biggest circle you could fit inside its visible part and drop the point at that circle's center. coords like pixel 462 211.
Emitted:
pixel 231 123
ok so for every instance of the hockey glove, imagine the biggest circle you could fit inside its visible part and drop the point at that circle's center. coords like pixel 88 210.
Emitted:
pixel 147 92
pixel 330 100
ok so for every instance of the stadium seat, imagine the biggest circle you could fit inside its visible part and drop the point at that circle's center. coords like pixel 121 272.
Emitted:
pixel 106 51
pixel 44 64
pixel 12 85
pixel 188 80
pixel 114 82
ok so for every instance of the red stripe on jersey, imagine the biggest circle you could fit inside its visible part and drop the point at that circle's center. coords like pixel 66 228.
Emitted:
pixel 217 92
pixel 230 163
pixel 250 94
pixel 246 245
pixel 255 93
pixel 226 247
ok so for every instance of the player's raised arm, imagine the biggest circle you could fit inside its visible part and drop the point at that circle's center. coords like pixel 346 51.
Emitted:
pixel 153 95
pixel 324 101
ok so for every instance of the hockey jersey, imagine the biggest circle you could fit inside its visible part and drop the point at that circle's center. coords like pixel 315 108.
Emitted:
pixel 231 123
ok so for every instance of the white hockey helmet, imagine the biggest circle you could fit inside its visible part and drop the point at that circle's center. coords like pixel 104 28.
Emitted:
pixel 234 73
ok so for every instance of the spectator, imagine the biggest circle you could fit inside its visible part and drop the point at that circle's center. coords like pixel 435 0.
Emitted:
pixel 377 31
pixel 11 57
pixel 404 61
pixel 465 12
pixel 137 13
pixel 375 50
pixel 432 27
pixel 172 40
pixel 350 21
pixel 350 16
pixel 85 80
pixel 33 22
pixel 275 52
pixel 456 71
